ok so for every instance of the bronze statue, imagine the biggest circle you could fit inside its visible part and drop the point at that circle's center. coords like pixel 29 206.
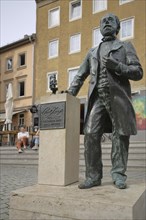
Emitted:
pixel 110 65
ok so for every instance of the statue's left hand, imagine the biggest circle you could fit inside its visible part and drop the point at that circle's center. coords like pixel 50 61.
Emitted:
pixel 110 63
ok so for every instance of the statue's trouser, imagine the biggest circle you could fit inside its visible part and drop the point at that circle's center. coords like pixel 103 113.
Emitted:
pixel 92 141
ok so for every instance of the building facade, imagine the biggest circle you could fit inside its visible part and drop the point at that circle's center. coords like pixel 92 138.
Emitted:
pixel 17 68
pixel 67 29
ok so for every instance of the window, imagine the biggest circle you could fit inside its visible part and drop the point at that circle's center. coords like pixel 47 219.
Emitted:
pixel 75 10
pixel 99 5
pixel 127 29
pixel 9 64
pixel 22 59
pixel 97 36
pixel 21 119
pixel 75 43
pixel 53 17
pixel 49 76
pixel 6 89
pixel 121 2
pixel 21 88
pixel 53 48
pixel 71 74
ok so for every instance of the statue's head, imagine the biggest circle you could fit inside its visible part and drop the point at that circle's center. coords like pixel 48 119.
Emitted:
pixel 109 25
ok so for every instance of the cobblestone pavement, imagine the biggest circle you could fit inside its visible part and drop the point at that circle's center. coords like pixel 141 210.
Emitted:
pixel 15 177
pixel 12 178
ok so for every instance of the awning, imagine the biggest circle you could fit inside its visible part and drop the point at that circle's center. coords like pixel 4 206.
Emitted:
pixel 14 113
pixel 3 115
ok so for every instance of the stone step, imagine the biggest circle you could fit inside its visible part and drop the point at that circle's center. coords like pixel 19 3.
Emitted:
pixel 132 156
pixel 19 162
pixel 20 156
pixel 28 152
pixel 10 148
pixel 131 163
pixel 137 155
pixel 131 145
pixel 108 166
pixel 141 150
pixel 133 142
pixel 9 155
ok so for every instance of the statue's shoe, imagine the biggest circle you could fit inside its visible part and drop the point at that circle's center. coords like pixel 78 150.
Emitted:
pixel 88 183
pixel 120 184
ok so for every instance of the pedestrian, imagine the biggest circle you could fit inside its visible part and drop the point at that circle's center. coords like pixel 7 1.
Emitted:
pixel 110 65
pixel 36 141
pixel 22 139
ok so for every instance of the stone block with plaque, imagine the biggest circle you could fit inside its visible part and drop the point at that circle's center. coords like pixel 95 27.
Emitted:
pixel 59 140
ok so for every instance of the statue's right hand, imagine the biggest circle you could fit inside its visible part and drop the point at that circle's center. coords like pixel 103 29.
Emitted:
pixel 64 91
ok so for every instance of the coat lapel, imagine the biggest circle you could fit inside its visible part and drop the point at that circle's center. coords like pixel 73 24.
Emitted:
pixel 116 45
pixel 95 53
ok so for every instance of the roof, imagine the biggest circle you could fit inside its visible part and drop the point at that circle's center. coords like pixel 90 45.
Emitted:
pixel 27 39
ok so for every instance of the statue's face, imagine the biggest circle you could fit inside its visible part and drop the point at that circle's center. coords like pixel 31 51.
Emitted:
pixel 108 25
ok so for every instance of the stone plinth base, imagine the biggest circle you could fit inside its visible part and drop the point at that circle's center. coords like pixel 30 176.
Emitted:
pixel 59 148
pixel 43 202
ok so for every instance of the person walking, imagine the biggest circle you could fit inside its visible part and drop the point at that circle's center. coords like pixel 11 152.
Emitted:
pixel 110 65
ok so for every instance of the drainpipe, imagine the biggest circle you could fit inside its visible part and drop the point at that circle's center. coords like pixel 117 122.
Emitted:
pixel 33 45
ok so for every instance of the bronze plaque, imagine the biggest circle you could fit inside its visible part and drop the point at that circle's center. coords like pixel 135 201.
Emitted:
pixel 52 115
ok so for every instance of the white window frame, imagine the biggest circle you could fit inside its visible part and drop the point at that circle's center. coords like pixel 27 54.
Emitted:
pixel 49 49
pixel 70 10
pixel 121 2
pixel 70 69
pixel 7 60
pixel 49 18
pixel 78 49
pixel 93 37
pixel 132 32
pixel 48 79
pixel 97 11
pixel 22 119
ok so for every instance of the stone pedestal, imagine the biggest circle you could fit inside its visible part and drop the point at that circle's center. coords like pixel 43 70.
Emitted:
pixel 43 202
pixel 59 140
pixel 59 166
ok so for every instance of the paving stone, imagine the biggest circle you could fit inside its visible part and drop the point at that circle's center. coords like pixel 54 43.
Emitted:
pixel 4 210
pixel 11 178
pixel 4 216
pixel 15 177
pixel 3 205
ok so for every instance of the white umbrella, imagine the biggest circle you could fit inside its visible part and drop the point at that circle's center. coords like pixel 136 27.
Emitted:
pixel 9 105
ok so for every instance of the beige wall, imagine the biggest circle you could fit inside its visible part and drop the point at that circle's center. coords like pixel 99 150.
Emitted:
pixel 85 25
pixel 16 75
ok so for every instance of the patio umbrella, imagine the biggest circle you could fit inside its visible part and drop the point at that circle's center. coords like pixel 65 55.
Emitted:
pixel 9 105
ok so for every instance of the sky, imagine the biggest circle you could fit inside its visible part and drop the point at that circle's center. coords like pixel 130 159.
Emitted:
pixel 17 18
